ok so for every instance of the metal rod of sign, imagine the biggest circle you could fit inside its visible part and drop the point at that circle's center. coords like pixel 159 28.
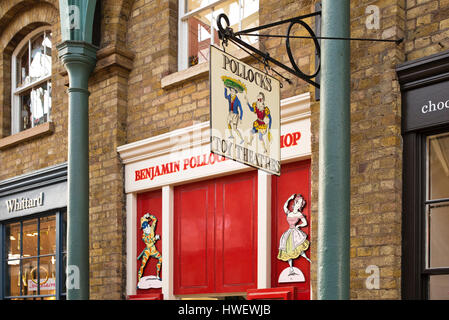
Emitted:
pixel 226 33
pixel 397 41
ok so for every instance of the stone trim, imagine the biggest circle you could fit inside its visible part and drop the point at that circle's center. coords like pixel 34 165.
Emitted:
pixel 29 134
pixel 202 69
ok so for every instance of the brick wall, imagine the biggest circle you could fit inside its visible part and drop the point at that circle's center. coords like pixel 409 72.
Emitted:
pixel 129 103
pixel 376 151
pixel 427 28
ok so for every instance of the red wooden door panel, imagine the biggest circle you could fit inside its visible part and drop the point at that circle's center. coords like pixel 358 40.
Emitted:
pixel 215 235
pixel 149 202
pixel 193 238
pixel 295 178
pixel 236 233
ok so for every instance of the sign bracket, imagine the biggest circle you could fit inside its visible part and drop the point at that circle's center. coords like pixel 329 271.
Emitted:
pixel 226 33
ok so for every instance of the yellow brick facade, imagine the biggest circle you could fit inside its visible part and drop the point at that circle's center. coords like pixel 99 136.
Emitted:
pixel 129 102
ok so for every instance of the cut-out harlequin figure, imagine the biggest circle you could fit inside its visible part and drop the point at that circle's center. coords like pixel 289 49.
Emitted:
pixel 148 225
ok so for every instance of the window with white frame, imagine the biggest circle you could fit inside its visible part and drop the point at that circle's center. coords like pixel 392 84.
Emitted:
pixel 31 81
pixel 198 27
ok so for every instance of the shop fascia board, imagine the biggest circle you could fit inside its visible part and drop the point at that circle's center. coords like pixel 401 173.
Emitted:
pixel 34 180
pixel 292 109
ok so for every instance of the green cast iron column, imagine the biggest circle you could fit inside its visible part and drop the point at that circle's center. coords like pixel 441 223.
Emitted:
pixel 334 154
pixel 79 58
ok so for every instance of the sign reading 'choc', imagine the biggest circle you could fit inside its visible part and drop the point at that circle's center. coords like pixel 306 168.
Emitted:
pixel 245 113
pixel 426 106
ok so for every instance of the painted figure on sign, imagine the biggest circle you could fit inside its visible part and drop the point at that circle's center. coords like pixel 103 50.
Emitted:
pixel 148 225
pixel 260 125
pixel 293 242
pixel 235 114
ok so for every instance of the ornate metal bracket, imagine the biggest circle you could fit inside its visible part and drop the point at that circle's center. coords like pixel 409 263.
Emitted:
pixel 226 33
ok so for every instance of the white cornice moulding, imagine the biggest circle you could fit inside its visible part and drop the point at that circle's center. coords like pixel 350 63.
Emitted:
pixel 292 109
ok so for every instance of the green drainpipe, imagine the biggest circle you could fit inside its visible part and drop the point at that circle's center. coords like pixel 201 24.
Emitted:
pixel 79 58
pixel 334 155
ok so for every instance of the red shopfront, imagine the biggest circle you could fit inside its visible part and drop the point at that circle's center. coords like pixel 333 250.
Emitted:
pixel 218 224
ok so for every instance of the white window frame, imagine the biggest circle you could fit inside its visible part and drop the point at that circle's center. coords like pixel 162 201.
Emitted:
pixel 183 40
pixel 16 91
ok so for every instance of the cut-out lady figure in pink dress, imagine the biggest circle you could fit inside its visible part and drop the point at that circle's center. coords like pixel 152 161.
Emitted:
pixel 294 241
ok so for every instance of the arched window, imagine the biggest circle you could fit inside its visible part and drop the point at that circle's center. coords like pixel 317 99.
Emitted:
pixel 31 81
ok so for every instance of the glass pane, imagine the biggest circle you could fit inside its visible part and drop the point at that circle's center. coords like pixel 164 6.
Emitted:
pixel 195 4
pixel 199 39
pixel 64 274
pixel 47 44
pixel 47 267
pixel 232 9
pixel 40 65
pixel 439 287
pixel 29 238
pixel 13 240
pixel 438 166
pixel 22 67
pixel 40 104
pixel 47 100
pixel 29 276
pixel 438 235
pixel 250 18
pixel 13 278
pixel 47 235
pixel 25 111
pixel 64 232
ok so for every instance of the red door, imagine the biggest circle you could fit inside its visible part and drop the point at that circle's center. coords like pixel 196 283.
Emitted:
pixel 236 233
pixel 193 238
pixel 295 178
pixel 215 235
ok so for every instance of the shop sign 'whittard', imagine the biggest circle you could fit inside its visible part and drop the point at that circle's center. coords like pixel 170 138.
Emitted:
pixel 245 113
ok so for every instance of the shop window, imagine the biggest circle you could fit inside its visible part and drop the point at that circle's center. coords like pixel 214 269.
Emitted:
pixel 31 81
pixel 198 27
pixel 426 216
pixel 34 251
pixel 437 216
pixel 425 195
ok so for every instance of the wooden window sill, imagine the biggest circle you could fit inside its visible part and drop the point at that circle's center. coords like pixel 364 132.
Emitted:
pixel 29 134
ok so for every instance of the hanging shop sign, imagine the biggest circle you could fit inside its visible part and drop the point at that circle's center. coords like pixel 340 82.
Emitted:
pixel 245 113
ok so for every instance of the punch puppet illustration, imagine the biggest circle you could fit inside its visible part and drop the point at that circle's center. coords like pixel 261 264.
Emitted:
pixel 148 225
pixel 260 125
pixel 293 242
pixel 235 114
